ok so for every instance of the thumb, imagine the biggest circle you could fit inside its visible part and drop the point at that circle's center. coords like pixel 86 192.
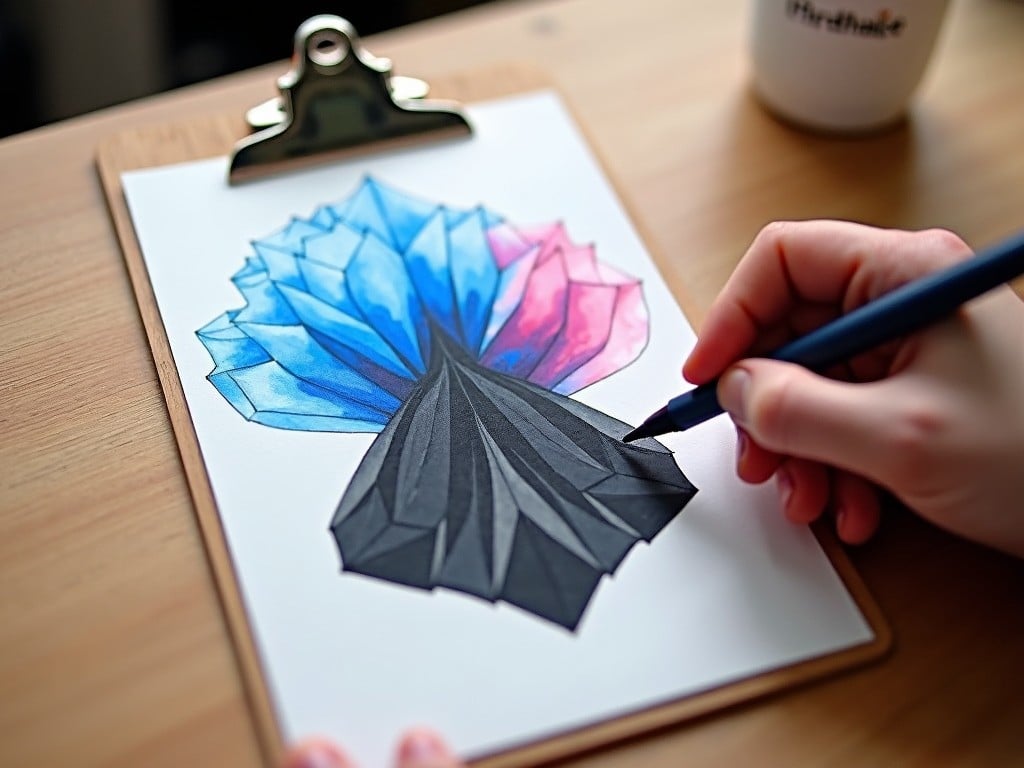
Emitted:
pixel 790 410
pixel 317 753
pixel 422 748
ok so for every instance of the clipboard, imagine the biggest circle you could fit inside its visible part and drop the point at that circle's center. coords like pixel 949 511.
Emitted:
pixel 333 75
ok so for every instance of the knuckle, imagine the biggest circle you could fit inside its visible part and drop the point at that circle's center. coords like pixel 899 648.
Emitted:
pixel 772 234
pixel 913 443
pixel 946 242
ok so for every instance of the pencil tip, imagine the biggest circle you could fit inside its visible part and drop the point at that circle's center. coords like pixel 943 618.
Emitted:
pixel 654 425
pixel 644 430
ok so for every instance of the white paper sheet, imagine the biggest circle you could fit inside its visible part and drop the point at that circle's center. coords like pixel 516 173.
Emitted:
pixel 727 590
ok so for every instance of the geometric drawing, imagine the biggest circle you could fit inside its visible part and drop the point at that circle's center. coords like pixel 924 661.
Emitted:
pixel 458 337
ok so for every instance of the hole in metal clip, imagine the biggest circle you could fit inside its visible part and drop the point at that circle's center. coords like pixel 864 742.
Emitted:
pixel 327 48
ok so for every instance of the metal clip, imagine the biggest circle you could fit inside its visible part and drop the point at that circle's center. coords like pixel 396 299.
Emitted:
pixel 337 100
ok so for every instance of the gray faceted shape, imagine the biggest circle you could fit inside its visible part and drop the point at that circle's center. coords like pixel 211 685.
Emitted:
pixel 495 487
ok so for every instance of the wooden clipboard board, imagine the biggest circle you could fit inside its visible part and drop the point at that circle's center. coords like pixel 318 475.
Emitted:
pixel 216 136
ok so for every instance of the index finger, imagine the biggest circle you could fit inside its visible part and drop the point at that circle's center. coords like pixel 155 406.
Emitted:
pixel 810 262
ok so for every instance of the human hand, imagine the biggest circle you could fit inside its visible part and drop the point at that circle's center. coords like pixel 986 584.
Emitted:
pixel 937 418
pixel 418 748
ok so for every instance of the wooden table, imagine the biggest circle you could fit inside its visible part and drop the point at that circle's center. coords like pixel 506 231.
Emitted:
pixel 113 649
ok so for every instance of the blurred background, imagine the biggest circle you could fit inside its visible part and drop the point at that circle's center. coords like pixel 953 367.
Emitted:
pixel 61 58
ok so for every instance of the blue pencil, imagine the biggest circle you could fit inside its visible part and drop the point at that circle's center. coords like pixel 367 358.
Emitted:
pixel 898 313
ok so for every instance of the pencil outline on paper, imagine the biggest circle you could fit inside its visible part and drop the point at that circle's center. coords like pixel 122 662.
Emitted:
pixel 458 337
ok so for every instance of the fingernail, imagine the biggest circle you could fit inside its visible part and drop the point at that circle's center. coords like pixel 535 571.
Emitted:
pixel 742 441
pixel 420 747
pixel 318 755
pixel 732 393
pixel 784 483
pixel 840 520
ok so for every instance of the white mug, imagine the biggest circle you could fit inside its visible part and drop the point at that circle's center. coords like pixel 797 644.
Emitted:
pixel 842 65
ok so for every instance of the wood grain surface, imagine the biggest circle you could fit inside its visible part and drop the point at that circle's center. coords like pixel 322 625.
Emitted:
pixel 114 650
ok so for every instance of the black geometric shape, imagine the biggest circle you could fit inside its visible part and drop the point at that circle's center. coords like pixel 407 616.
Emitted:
pixel 498 488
